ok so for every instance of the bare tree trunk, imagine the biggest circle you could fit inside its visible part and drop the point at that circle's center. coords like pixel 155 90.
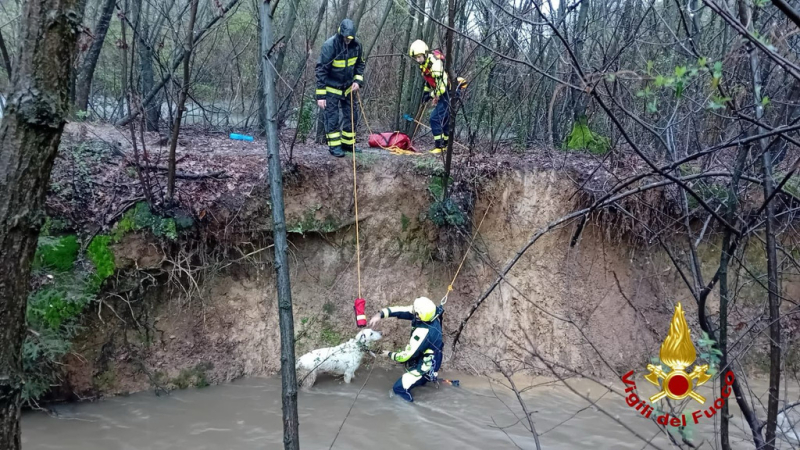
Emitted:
pixel 417 83
pixel 30 134
pixel 343 10
pixel 320 17
pixel 724 293
pixel 772 267
pixel 127 80
pixel 287 34
pixel 414 95
pixel 385 16
pixel 436 10
pixel 4 54
pixel 83 84
pixel 147 78
pixel 291 436
pixel 402 72
pixel 151 95
pixel 773 294
pixel 262 107
pixel 123 46
pixel 283 111
pixel 360 14
pixel 187 48
pixel 320 136
pixel 451 126
pixel 578 99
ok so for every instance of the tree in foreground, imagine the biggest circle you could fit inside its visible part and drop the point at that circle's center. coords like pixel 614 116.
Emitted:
pixel 30 134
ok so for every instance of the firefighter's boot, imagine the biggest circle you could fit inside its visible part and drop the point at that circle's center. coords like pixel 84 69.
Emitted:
pixel 441 145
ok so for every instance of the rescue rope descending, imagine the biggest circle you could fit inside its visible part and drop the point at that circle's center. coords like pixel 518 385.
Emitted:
pixel 355 195
pixel 450 286
pixel 355 198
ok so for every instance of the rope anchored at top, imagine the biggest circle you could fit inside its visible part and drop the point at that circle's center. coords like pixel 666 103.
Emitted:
pixel 355 198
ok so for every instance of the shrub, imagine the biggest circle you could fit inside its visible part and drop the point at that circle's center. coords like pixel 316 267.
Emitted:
pixel 103 260
pixel 446 212
pixel 583 138
pixel 56 253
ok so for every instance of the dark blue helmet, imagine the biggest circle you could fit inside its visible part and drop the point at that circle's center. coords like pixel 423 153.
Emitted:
pixel 347 29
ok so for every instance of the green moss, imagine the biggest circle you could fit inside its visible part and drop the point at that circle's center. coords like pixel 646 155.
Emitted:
pixel 124 226
pixel 106 380
pixel 142 218
pixel 583 138
pixel 436 187
pixel 56 253
pixel 404 222
pixel 195 376
pixel 103 259
pixel 310 224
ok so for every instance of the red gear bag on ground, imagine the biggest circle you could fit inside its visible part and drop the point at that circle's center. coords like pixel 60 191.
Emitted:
pixel 391 140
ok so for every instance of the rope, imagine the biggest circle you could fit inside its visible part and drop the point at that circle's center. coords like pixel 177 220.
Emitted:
pixel 351 406
pixel 450 286
pixel 416 119
pixel 394 149
pixel 454 142
pixel 355 194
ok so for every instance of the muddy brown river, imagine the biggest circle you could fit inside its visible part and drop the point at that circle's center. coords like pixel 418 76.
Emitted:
pixel 246 415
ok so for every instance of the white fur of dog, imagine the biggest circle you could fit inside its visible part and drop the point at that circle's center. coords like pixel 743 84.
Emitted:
pixel 344 359
pixel 789 426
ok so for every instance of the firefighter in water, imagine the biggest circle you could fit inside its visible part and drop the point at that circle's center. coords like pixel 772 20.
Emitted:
pixel 423 354
pixel 340 72
pixel 431 64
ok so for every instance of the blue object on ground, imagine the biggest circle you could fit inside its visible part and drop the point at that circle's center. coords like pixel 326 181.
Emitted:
pixel 408 118
pixel 241 137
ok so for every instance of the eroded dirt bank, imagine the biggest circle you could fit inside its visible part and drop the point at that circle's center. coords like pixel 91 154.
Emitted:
pixel 203 309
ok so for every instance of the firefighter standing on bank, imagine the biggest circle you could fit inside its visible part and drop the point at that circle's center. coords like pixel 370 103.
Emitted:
pixel 431 64
pixel 340 71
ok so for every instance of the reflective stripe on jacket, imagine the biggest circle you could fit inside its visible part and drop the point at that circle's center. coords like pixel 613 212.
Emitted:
pixel 339 66
pixel 423 353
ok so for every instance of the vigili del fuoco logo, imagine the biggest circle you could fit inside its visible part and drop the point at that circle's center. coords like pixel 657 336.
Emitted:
pixel 677 353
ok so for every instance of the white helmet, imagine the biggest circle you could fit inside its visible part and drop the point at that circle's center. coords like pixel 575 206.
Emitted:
pixel 418 47
pixel 425 308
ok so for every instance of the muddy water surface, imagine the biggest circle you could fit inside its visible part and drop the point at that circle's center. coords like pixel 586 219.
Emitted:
pixel 247 415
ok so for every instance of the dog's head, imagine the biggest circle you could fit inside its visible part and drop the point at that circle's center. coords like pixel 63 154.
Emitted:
pixel 367 336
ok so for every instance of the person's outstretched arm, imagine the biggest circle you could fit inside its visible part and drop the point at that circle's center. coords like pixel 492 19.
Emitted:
pixel 399 312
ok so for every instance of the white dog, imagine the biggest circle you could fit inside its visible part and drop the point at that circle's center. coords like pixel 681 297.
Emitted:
pixel 789 426
pixel 344 359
